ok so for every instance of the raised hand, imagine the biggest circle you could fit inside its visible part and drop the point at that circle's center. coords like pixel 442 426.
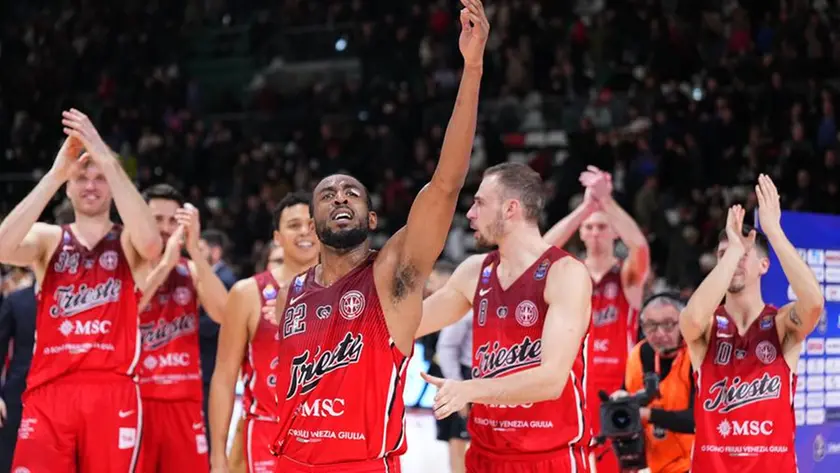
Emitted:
pixel 77 125
pixel 172 252
pixel 769 209
pixel 69 160
pixel 597 183
pixel 187 217
pixel 735 229
pixel 474 31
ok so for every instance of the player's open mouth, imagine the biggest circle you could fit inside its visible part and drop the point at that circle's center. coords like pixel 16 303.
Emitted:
pixel 304 244
pixel 342 215
pixel 90 197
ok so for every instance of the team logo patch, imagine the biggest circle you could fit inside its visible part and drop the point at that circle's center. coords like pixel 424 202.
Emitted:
pixel 182 296
pixel 351 304
pixel 323 312
pixel 150 363
pixel 766 352
pixel 527 313
pixel 611 291
pixel 542 270
pixel 299 282
pixel 722 322
pixel 269 292
pixel 766 322
pixel 108 260
pixel 182 269
pixel 485 274
pixel 501 312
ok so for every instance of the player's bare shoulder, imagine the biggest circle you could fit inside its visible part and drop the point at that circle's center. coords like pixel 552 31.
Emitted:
pixel 44 240
pixel 567 276
pixel 466 275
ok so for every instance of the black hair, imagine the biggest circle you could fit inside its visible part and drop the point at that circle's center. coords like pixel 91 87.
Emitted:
pixel 215 239
pixel 761 241
pixel 290 200
pixel 164 192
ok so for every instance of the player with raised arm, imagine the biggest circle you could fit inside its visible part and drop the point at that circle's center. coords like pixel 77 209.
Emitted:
pixel 170 366
pixel 82 408
pixel 744 351
pixel 248 341
pixel 350 321
pixel 531 311
pixel 617 290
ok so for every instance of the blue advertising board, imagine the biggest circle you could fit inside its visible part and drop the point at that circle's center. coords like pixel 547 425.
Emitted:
pixel 817 397
pixel 418 393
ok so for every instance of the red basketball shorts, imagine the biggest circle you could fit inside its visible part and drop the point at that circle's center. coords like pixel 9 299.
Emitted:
pixel 80 424
pixel 258 438
pixel 387 465
pixel 174 440
pixel 571 460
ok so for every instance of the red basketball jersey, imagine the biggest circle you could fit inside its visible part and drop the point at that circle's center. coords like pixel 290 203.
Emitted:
pixel 260 364
pixel 87 312
pixel 340 377
pixel 170 367
pixel 507 338
pixel 615 328
pixel 744 407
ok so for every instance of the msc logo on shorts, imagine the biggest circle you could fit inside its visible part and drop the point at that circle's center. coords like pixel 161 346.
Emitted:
pixel 128 438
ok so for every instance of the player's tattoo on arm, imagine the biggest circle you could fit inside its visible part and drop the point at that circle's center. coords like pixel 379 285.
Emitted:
pixel 794 317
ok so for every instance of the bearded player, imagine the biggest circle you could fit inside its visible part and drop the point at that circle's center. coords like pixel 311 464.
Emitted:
pixel 528 407
pixel 170 367
pixel 618 286
pixel 350 321
pixel 82 408
pixel 745 352
pixel 248 340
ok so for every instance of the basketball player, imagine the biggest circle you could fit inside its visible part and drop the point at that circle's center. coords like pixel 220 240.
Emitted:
pixel 248 340
pixel 349 322
pixel 745 352
pixel 273 262
pixel 528 412
pixel 170 367
pixel 82 410
pixel 617 288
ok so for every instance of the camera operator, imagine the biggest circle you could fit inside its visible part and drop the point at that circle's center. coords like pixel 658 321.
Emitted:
pixel 668 419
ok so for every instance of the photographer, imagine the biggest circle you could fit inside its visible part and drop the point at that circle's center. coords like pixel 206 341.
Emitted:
pixel 668 419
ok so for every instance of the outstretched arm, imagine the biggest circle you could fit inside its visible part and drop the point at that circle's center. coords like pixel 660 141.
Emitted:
pixel 142 233
pixel 801 316
pixel 233 338
pixel 568 293
pixel 696 318
pixel 23 241
pixel 562 231
pixel 421 241
pixel 451 302
pixel 211 291
pixel 635 269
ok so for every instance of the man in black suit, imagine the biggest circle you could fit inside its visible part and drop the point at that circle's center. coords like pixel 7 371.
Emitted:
pixel 17 324
pixel 212 245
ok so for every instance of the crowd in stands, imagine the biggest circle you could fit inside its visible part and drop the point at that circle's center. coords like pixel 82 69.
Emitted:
pixel 685 102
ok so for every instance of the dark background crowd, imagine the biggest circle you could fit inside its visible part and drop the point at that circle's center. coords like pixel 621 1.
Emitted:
pixel 237 103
